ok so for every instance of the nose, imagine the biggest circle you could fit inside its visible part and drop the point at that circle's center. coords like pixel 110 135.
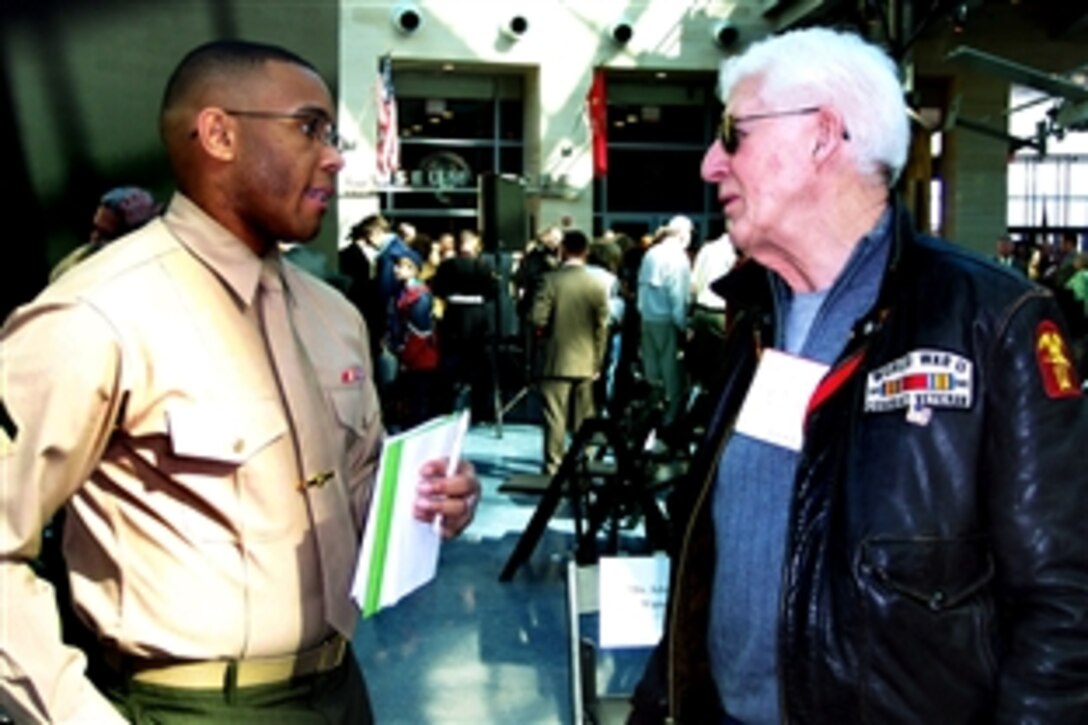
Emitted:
pixel 715 163
pixel 332 159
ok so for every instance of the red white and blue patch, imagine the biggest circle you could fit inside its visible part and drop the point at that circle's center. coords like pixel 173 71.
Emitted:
pixel 352 374
pixel 920 380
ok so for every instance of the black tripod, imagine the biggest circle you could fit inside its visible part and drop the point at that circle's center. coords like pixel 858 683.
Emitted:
pixel 599 494
pixel 508 329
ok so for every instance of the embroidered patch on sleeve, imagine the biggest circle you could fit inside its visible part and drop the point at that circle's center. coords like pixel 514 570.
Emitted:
pixel 919 381
pixel 1056 369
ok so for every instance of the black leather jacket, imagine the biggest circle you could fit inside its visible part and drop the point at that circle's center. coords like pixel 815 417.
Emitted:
pixel 937 563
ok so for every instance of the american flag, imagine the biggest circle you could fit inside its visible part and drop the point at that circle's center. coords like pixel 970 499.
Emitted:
pixel 388 148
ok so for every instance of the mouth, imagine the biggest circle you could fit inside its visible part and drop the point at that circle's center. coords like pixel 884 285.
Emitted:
pixel 322 196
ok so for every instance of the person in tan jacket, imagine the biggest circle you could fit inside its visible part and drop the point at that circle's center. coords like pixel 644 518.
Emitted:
pixel 571 311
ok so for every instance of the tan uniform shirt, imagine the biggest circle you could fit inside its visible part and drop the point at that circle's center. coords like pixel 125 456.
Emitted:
pixel 142 395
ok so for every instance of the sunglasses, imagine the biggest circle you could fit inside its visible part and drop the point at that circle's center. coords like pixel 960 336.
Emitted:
pixel 730 136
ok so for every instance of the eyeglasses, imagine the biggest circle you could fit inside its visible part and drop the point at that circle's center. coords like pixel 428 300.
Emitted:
pixel 314 125
pixel 730 136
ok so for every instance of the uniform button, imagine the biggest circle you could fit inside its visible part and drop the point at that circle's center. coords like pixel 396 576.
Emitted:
pixel 936 600
pixel 319 479
pixel 239 445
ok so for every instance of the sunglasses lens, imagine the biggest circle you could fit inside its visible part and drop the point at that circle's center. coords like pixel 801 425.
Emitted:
pixel 728 136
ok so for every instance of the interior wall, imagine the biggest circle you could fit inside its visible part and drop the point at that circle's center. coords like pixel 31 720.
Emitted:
pixel 81 86
pixel 565 40
pixel 975 166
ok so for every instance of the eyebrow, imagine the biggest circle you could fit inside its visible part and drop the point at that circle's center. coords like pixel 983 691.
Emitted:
pixel 315 110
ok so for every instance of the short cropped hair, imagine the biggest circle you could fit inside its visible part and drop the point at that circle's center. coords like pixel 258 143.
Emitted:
pixel 575 242
pixel 821 66
pixel 222 57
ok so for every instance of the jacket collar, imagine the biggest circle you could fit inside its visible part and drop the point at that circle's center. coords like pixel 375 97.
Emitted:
pixel 748 287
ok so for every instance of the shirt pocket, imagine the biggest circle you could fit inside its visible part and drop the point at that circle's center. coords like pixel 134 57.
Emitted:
pixel 356 408
pixel 222 457
pixel 229 433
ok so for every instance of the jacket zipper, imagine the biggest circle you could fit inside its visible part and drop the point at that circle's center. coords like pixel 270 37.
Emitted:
pixel 848 366
pixel 699 504
pixel 671 716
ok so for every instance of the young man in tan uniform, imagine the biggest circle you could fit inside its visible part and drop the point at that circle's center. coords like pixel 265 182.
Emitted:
pixel 206 415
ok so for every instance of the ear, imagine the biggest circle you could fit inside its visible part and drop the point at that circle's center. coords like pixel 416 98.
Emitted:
pixel 217 133
pixel 830 135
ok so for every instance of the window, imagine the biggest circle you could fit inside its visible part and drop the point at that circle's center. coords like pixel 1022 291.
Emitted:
pixel 1048 191
pixel 453 127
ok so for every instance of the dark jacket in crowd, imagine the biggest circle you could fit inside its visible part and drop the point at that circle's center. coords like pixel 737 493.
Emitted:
pixel 467 285
pixel 537 262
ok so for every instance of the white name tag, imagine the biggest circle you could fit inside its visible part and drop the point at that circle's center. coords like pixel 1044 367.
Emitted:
pixel 774 409
pixel 632 593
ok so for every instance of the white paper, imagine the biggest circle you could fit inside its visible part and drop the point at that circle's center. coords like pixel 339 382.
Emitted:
pixel 632 591
pixel 399 552
pixel 774 409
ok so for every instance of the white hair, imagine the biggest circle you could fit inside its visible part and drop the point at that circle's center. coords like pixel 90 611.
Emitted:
pixel 820 66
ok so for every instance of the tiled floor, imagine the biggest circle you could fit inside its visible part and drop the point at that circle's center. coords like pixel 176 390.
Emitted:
pixel 467 648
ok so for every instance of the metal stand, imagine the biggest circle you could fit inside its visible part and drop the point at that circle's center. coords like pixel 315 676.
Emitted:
pixel 598 495
pixel 503 307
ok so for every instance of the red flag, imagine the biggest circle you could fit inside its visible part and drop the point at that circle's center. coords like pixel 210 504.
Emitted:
pixel 597 106
pixel 388 146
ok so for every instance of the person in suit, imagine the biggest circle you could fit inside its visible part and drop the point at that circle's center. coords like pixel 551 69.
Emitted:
pixel 466 284
pixel 356 263
pixel 368 261
pixel 571 307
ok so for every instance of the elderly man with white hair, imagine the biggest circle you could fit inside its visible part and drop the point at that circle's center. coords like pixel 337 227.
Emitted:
pixel 885 522
pixel 664 291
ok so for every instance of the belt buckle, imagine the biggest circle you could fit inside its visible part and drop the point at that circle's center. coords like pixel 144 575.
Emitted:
pixel 331 654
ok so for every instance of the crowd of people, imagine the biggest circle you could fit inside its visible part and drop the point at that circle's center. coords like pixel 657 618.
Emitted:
pixel 1059 263
pixel 661 322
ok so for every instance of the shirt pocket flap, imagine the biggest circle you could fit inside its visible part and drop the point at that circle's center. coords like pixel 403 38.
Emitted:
pixel 355 409
pixel 223 432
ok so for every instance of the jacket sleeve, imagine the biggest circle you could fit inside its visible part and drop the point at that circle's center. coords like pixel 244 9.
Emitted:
pixel 1035 489
pixel 59 392
pixel 600 328
pixel 648 701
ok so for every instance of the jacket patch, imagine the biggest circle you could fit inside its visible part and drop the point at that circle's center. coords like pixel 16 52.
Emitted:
pixel 919 381
pixel 1055 362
